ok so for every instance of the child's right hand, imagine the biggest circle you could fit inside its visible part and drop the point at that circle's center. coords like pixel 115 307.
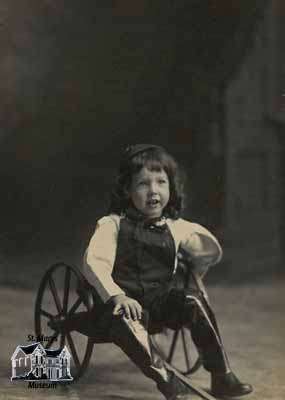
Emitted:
pixel 127 306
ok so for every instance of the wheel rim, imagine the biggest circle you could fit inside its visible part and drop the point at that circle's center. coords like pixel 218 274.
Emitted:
pixel 177 348
pixel 57 300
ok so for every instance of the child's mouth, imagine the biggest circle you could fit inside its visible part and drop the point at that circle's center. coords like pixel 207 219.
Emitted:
pixel 153 203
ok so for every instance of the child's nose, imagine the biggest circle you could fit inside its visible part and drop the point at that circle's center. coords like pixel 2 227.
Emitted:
pixel 153 187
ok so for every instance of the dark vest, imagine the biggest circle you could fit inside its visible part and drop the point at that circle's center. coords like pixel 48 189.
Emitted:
pixel 144 260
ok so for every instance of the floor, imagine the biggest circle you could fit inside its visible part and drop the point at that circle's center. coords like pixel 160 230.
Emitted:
pixel 252 321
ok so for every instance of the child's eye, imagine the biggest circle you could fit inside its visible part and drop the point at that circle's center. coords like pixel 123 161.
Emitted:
pixel 161 181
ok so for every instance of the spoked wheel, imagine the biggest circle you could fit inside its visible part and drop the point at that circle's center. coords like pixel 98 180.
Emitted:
pixel 177 348
pixel 60 299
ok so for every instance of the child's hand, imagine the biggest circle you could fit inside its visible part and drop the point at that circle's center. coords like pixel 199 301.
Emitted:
pixel 128 306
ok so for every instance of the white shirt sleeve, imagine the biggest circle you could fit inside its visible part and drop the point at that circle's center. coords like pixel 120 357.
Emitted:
pixel 100 257
pixel 203 248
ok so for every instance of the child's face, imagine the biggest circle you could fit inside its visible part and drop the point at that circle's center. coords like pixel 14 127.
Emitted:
pixel 149 192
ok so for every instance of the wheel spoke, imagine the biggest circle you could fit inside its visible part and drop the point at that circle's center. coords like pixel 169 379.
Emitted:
pixel 73 350
pixel 66 291
pixel 62 341
pixel 185 349
pixel 75 306
pixel 55 294
pixel 52 340
pixel 173 346
pixel 46 314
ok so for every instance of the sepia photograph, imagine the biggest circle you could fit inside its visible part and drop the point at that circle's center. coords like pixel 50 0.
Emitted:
pixel 142 234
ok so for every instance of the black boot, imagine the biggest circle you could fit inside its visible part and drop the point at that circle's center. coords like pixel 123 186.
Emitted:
pixel 228 385
pixel 174 389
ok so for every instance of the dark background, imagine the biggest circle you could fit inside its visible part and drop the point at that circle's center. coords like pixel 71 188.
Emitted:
pixel 80 81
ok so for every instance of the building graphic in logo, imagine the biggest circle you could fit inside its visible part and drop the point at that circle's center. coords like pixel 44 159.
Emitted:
pixel 34 362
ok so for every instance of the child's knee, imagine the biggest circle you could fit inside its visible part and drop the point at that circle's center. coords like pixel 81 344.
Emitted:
pixel 181 306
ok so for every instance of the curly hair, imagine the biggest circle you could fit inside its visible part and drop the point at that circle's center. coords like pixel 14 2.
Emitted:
pixel 154 159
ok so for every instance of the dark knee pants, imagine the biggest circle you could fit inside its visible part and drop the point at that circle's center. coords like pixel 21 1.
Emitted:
pixel 174 309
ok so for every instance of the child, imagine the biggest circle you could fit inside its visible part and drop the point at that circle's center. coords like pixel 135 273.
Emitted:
pixel 132 261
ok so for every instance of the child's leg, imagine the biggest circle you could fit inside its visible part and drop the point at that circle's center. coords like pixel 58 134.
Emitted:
pixel 200 318
pixel 196 313
pixel 180 307
pixel 133 339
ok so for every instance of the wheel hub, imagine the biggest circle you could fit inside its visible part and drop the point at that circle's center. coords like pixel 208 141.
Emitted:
pixel 57 323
